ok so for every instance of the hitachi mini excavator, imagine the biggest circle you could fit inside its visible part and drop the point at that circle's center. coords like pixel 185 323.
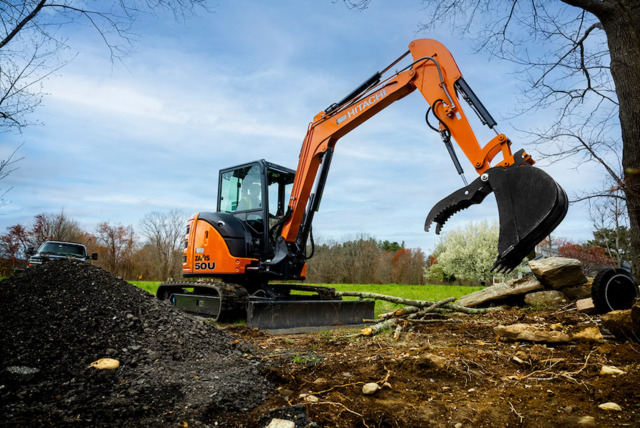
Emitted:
pixel 262 225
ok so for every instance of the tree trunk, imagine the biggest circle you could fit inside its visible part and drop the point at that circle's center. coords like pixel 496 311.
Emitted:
pixel 620 22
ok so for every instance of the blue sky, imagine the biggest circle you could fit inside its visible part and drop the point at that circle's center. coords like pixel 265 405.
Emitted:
pixel 120 140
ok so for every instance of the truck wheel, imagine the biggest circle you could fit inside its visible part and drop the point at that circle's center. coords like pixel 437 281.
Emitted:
pixel 614 289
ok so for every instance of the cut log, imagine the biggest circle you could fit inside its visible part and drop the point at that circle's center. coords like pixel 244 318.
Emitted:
pixel 501 291
pixel 558 272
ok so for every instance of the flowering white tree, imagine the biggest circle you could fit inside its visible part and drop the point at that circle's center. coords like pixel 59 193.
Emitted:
pixel 469 252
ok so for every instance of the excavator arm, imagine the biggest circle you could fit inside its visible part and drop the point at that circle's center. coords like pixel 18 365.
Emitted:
pixel 530 203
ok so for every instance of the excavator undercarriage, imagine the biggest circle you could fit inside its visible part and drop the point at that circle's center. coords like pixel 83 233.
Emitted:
pixel 256 241
pixel 314 308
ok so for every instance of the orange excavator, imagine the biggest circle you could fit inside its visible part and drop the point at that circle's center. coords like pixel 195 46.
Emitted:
pixel 256 241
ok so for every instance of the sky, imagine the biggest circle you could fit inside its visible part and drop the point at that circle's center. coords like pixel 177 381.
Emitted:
pixel 119 140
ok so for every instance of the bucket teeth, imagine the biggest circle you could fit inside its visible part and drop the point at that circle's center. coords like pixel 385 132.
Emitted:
pixel 530 206
pixel 459 200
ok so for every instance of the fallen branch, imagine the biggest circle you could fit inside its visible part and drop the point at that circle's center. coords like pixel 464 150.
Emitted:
pixel 516 412
pixel 405 310
pixel 437 320
pixel 432 308
pixel 393 322
pixel 393 299
pixel 413 305
pixel 464 309
pixel 380 327
pixel 414 310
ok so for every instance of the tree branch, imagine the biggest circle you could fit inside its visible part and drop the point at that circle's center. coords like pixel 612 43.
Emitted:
pixel 22 23
pixel 576 44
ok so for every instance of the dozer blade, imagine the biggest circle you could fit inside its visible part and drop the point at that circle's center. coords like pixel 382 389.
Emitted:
pixel 301 316
pixel 530 206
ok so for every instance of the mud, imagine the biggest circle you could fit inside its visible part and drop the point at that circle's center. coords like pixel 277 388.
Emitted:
pixel 180 370
pixel 453 373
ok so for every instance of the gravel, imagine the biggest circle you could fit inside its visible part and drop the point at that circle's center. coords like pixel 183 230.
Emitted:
pixel 175 368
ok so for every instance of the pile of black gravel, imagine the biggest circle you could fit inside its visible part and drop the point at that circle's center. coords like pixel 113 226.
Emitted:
pixel 56 319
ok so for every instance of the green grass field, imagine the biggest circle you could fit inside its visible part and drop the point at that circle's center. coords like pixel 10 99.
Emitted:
pixel 415 292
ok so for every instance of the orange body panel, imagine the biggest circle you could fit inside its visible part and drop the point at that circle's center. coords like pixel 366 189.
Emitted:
pixel 434 81
pixel 206 252
pixel 303 274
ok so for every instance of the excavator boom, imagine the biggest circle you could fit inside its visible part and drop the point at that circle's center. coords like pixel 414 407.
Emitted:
pixel 530 203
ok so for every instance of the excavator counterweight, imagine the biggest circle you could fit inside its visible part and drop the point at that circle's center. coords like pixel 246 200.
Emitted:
pixel 258 237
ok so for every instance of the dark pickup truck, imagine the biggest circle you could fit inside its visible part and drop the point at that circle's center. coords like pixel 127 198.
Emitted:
pixel 56 250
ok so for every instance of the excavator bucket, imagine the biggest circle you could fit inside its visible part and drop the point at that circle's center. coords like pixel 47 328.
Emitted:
pixel 530 206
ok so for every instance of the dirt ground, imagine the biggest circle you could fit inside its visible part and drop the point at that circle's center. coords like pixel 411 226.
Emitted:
pixel 177 369
pixel 453 373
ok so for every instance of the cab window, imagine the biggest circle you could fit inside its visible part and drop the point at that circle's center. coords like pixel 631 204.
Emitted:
pixel 241 190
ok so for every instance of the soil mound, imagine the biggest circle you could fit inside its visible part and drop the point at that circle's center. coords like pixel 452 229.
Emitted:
pixel 60 317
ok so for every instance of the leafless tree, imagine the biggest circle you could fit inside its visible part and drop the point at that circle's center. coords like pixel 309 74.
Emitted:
pixel 610 223
pixel 54 227
pixel 34 44
pixel 117 245
pixel 165 233
pixel 363 260
pixel 7 166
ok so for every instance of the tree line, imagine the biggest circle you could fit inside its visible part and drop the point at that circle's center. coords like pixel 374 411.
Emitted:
pixel 155 251
pixel 364 260
pixel 463 256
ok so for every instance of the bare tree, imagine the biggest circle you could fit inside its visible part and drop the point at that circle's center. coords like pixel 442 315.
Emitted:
pixel 165 233
pixel 7 166
pixel 54 227
pixel 118 244
pixel 13 245
pixel 610 223
pixel 33 43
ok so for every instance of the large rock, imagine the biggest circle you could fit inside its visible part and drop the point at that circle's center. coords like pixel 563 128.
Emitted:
pixel 585 306
pixel 501 291
pixel 579 291
pixel 590 334
pixel 558 272
pixel 547 298
pixel 621 325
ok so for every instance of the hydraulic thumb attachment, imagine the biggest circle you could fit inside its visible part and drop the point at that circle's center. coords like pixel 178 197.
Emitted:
pixel 530 206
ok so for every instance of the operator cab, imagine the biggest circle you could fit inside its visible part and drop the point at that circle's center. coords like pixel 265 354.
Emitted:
pixel 257 194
